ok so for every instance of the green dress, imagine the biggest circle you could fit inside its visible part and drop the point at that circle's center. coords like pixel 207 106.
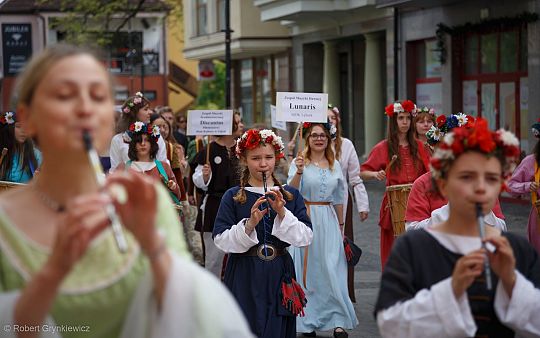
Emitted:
pixel 96 295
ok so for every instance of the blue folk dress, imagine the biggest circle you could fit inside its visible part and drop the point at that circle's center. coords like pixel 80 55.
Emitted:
pixel 329 305
pixel 255 283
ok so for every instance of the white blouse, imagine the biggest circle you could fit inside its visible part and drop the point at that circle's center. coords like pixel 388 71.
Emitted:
pixel 350 166
pixel 435 312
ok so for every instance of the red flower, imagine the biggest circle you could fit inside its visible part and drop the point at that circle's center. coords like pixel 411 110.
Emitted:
pixel 253 139
pixel 132 127
pixel 3 120
pixel 269 139
pixel 408 105
pixel 441 120
pixel 389 110
pixel 306 125
pixel 470 121
pixel 436 163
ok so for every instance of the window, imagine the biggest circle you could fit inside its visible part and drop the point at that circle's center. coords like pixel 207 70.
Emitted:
pixel 220 5
pixel 424 74
pixel 200 16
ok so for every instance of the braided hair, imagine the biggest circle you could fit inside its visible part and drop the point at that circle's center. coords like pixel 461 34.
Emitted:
pixel 240 196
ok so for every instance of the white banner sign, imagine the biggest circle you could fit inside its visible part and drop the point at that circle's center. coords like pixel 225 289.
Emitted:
pixel 209 122
pixel 301 107
pixel 277 124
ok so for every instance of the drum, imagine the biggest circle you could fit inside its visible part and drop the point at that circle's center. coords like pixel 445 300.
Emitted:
pixel 397 202
pixel 5 185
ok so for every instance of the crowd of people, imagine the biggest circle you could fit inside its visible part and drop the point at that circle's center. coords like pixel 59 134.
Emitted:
pixel 221 241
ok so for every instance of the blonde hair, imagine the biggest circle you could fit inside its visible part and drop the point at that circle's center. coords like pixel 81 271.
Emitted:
pixel 40 64
pixel 328 152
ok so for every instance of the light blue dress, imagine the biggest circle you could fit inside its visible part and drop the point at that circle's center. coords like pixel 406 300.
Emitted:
pixel 17 174
pixel 328 303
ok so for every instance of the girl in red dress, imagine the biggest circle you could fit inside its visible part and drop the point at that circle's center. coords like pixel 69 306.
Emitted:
pixel 410 162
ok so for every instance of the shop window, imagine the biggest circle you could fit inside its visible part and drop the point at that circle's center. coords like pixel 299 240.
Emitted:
pixel 471 54
pixel 424 74
pixel 488 53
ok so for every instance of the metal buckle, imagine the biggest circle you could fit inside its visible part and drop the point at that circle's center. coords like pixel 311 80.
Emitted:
pixel 268 254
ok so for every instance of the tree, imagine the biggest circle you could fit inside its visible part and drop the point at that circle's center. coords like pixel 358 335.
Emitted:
pixel 212 93
pixel 97 21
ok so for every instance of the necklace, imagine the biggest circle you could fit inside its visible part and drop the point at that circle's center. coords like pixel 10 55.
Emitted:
pixel 48 201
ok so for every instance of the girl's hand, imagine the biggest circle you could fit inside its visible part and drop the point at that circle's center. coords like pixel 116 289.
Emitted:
pixel 379 175
pixel 278 203
pixel 138 213
pixel 84 219
pixel 466 270
pixel 533 186
pixel 191 200
pixel 503 262
pixel 299 162
pixel 363 216
pixel 206 171
pixel 171 185
pixel 256 215
pixel 290 146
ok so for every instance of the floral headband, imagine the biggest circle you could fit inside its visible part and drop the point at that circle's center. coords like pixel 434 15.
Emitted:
pixel 141 128
pixel 8 118
pixel 134 103
pixel 478 138
pixel 406 106
pixel 254 138
pixel 425 110
pixel 329 126
pixel 334 109
pixel 443 124
pixel 536 129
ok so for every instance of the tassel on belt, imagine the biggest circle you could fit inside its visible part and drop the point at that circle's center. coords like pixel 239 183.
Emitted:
pixel 306 251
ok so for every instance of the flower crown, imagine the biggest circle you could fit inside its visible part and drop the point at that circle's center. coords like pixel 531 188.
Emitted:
pixel 333 108
pixel 535 128
pixel 254 138
pixel 141 128
pixel 134 103
pixel 478 138
pixel 7 118
pixel 329 126
pixel 426 110
pixel 443 124
pixel 406 106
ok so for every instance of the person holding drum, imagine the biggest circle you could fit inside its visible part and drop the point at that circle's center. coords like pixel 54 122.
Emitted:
pixel 400 159
pixel 19 158
pixel 526 180
pixel 347 157
pixel 323 265
pixel 461 278
pixel 425 206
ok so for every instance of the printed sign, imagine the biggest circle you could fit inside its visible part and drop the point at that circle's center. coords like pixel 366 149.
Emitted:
pixel 206 71
pixel 209 122
pixel 276 124
pixel 301 107
pixel 16 46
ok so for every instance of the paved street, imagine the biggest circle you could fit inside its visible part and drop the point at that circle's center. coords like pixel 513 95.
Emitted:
pixel 368 269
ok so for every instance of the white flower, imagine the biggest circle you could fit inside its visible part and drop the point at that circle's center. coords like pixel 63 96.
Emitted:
pixel 462 119
pixel 9 117
pixel 279 142
pixel 443 154
pixel 449 138
pixel 535 132
pixel 138 126
pixel 434 133
pixel 139 94
pixel 333 129
pixel 398 108
pixel 265 133
pixel 508 138
pixel 155 131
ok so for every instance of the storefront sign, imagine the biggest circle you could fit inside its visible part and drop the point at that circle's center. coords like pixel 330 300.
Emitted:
pixel 206 71
pixel 301 107
pixel 16 46
pixel 209 122
pixel 277 124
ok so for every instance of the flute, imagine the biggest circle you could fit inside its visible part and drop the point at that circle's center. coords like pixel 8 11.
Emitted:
pixel 265 187
pixel 109 208
pixel 487 269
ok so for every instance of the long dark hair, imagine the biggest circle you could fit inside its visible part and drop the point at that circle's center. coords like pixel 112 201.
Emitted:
pixel 393 143
pixel 170 137
pixel 25 150
pixel 536 152
pixel 137 138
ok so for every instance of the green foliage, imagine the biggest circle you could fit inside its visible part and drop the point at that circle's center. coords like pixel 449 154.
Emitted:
pixel 212 93
pixel 92 22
